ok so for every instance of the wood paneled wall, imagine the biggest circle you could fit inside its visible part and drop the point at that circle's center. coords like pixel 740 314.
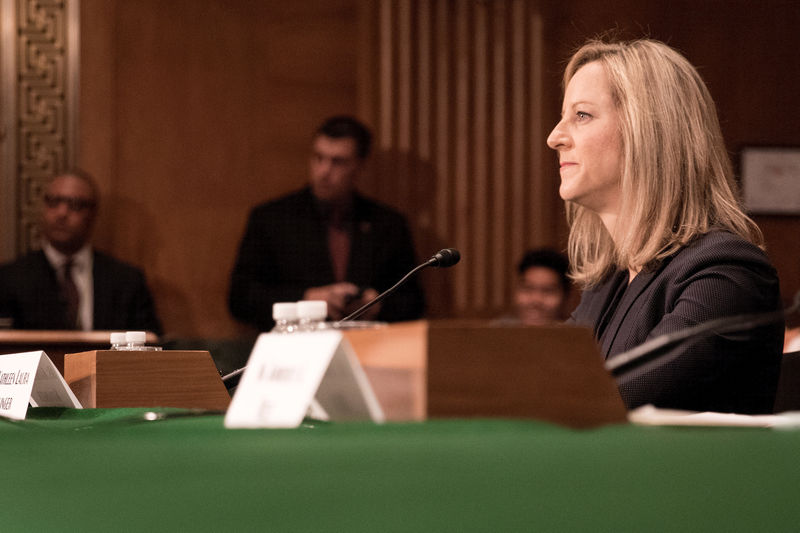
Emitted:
pixel 194 111
pixel 453 90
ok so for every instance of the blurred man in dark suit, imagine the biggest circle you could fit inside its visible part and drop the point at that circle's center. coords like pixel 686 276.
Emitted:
pixel 326 241
pixel 67 284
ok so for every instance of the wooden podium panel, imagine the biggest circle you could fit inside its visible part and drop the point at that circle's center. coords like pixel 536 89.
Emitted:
pixel 169 378
pixel 547 373
pixel 393 358
pixel 476 369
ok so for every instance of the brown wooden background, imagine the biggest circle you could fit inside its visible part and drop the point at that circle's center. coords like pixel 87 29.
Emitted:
pixel 193 111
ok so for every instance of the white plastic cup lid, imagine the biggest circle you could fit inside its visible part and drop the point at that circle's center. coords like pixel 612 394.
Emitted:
pixel 312 309
pixel 136 336
pixel 284 311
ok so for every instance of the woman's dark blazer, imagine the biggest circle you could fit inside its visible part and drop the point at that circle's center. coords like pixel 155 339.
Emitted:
pixel 717 275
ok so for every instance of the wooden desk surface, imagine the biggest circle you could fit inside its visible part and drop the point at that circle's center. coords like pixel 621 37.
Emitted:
pixel 56 343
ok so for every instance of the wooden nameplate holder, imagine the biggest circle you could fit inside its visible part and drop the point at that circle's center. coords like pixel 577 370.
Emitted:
pixel 169 378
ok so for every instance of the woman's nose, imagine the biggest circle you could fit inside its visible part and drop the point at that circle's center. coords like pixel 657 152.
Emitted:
pixel 557 137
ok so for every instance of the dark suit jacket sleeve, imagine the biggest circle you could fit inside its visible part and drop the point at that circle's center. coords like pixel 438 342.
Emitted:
pixel 122 300
pixel 29 294
pixel 257 281
pixel 145 309
pixel 718 276
pixel 392 258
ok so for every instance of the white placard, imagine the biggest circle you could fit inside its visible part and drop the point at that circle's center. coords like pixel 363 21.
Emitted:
pixel 31 378
pixel 285 372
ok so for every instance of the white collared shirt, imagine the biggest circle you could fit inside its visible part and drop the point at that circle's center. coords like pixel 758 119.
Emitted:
pixel 82 264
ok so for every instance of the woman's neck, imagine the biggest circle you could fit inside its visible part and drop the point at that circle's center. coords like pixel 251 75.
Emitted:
pixel 613 223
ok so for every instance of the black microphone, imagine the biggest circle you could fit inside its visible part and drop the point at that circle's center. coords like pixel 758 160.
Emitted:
pixel 621 364
pixel 444 258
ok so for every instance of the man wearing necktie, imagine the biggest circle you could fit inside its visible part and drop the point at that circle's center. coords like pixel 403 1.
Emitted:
pixel 67 284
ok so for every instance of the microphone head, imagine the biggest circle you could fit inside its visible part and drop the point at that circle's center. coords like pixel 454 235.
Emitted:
pixel 444 258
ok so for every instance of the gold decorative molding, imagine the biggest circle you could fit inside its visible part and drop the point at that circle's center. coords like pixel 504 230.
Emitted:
pixel 40 125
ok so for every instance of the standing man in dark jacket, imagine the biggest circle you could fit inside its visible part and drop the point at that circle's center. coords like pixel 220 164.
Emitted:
pixel 326 241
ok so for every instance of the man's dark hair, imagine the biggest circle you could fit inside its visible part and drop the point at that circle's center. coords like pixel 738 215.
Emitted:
pixel 344 126
pixel 547 258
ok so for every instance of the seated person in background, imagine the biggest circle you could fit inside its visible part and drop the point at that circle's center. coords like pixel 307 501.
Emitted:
pixel 540 295
pixel 67 284
pixel 658 238
pixel 326 241
pixel 542 287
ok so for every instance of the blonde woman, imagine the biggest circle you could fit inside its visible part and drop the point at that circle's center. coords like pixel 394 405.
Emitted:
pixel 658 239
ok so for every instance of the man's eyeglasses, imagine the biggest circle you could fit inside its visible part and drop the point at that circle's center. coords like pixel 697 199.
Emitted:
pixel 73 204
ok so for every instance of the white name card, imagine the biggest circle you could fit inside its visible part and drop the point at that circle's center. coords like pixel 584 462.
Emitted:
pixel 31 378
pixel 288 374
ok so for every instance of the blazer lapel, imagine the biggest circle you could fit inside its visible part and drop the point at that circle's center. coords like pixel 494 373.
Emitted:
pixel 631 294
pixel 102 299
pixel 309 228
pixel 51 309
pixel 359 267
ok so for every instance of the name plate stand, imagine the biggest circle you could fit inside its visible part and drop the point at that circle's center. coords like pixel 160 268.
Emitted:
pixel 31 378
pixel 170 378
pixel 289 375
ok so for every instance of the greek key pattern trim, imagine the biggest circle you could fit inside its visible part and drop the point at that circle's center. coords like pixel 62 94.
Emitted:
pixel 42 129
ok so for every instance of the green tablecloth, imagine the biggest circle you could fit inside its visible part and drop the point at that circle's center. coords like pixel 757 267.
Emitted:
pixel 109 470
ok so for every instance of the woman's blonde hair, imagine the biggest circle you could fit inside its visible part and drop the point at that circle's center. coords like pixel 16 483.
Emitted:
pixel 677 181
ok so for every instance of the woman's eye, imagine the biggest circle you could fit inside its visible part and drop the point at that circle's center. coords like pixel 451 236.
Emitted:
pixel 582 115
